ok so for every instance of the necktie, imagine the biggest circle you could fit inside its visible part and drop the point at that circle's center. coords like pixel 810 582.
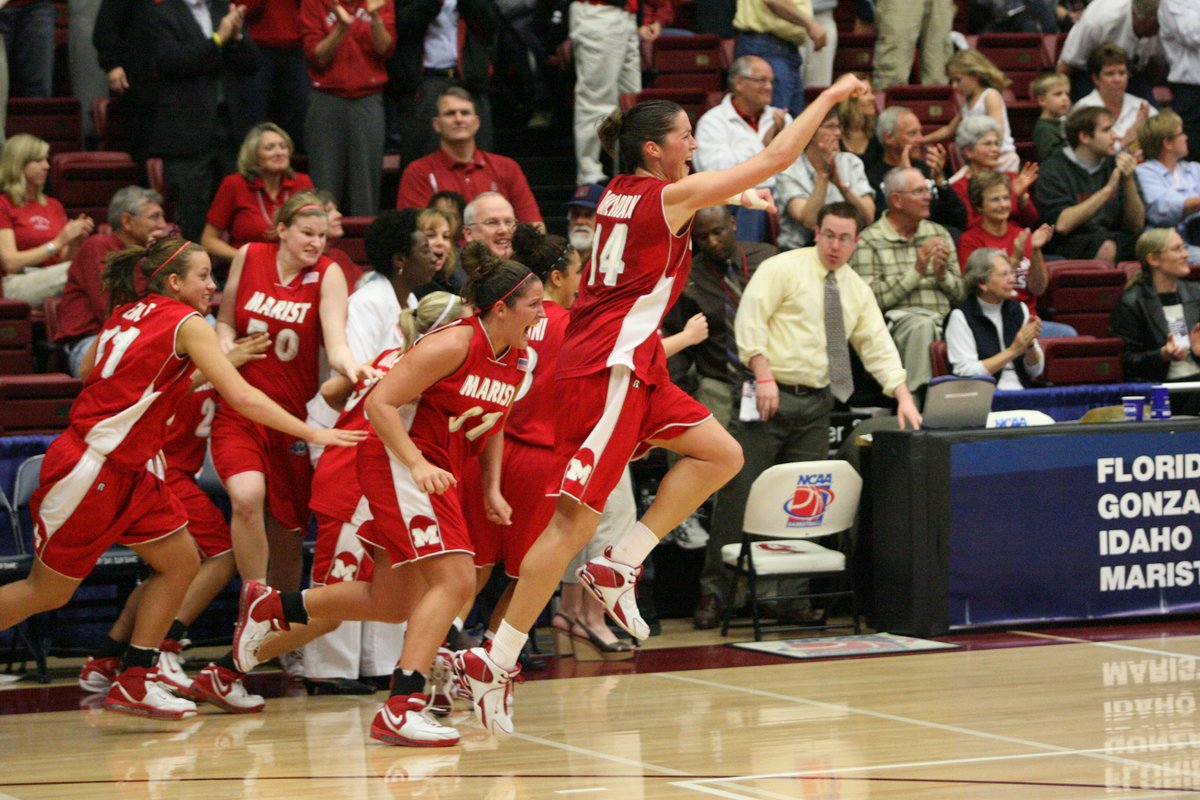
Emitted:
pixel 733 295
pixel 840 379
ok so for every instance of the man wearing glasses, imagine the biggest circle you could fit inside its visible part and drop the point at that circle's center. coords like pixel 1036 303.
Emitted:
pixel 459 165
pixel 910 265
pixel 799 314
pixel 489 219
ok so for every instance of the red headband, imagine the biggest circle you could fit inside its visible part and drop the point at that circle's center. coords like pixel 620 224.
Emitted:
pixel 520 283
pixel 170 258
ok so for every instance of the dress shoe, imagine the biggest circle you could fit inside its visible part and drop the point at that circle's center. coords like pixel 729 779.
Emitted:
pixel 529 660
pixel 708 613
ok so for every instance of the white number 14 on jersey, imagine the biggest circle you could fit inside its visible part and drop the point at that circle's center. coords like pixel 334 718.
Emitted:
pixel 612 255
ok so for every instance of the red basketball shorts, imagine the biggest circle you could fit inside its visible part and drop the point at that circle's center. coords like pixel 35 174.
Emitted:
pixel 85 505
pixel 339 555
pixel 613 417
pixel 206 523
pixel 407 522
pixel 240 445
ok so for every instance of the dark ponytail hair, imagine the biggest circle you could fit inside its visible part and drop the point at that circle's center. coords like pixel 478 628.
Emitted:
pixel 622 133
pixel 491 278
pixel 543 253
pixel 136 266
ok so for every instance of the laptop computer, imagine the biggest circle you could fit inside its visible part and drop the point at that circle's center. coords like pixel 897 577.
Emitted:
pixel 954 402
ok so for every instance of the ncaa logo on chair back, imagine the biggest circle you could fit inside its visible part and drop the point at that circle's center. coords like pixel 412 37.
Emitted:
pixel 807 504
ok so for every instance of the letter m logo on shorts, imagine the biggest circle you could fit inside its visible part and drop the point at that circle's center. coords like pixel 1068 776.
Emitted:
pixel 425 533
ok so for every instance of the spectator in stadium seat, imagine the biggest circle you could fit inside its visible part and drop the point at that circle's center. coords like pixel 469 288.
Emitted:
pixel 1131 24
pixel 1109 67
pixel 124 40
pixel 247 200
pixel 910 265
pixel 991 334
pixel 441 45
pixel 1158 316
pixel 37 241
pixel 979 140
pixel 135 215
pixel 27 27
pixel 581 218
pixel 823 174
pixel 743 124
pixel 1170 184
pixel 490 219
pixel 452 204
pixel 346 46
pixel 859 116
pixel 1088 195
pixel 902 145
pixel 199 52
pixel 461 166
pixel 448 275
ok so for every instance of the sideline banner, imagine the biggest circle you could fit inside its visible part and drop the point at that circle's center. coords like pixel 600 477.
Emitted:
pixel 1061 527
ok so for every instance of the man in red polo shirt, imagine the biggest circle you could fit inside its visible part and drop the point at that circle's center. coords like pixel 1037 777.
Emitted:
pixel 459 166
pixel 136 215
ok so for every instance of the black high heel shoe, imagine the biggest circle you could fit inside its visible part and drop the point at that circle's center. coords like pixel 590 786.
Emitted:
pixel 593 648
pixel 563 646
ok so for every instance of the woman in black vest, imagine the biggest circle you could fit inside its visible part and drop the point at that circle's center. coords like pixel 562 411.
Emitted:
pixel 1158 316
pixel 990 333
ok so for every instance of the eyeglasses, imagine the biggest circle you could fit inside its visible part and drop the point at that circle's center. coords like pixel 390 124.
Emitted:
pixel 830 237
pixel 492 224
pixel 760 81
pixel 833 125
pixel 920 191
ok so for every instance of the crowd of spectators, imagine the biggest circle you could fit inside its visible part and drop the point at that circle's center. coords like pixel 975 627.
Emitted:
pixel 936 232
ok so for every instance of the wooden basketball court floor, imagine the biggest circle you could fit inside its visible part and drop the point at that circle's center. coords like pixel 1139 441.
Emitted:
pixel 1067 713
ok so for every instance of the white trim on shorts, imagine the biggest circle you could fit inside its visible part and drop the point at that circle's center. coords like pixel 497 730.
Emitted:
pixel 412 502
pixel 620 377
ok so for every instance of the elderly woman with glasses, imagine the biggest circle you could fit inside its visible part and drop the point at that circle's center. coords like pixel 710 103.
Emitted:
pixel 1158 316
pixel 979 140
pixel 989 333
pixel 823 174
pixel 1170 184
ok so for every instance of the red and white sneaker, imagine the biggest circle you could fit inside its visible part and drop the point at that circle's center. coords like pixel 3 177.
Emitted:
pixel 440 683
pixel 225 690
pixel 402 721
pixel 260 613
pixel 491 690
pixel 615 585
pixel 137 691
pixel 170 668
pixel 98 674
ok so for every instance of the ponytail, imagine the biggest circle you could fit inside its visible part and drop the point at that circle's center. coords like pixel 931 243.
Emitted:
pixel 491 278
pixel 126 270
pixel 434 310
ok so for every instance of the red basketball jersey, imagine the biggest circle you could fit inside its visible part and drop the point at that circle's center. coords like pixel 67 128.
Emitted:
pixel 637 271
pixel 533 414
pixel 137 382
pixel 187 432
pixel 453 418
pixel 290 314
pixel 335 489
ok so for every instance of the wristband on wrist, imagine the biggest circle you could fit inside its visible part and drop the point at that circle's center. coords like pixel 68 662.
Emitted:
pixel 764 380
pixel 216 37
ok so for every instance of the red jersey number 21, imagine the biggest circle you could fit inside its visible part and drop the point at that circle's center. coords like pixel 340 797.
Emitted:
pixel 612 255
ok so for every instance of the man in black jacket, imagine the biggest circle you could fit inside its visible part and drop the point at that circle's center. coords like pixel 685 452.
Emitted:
pixel 124 44
pixel 429 59
pixel 199 49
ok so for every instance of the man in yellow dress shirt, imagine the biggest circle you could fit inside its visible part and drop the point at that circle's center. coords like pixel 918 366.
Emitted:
pixel 781 336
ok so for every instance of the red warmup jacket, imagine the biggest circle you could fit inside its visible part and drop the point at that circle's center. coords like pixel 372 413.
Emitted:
pixel 355 70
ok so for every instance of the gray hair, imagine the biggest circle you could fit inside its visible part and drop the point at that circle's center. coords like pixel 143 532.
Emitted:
pixel 887 122
pixel 472 209
pixel 894 180
pixel 129 200
pixel 740 68
pixel 979 267
pixel 972 129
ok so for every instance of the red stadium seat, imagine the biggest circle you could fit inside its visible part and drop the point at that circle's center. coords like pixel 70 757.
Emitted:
pixel 1082 359
pixel 933 105
pixel 693 101
pixel 1081 293
pixel 688 62
pixel 939 358
pixel 1022 116
pixel 1022 52
pixel 16 337
pixel 55 119
pixel 352 242
pixel 855 53
pixel 111 125
pixel 85 182
pixel 36 403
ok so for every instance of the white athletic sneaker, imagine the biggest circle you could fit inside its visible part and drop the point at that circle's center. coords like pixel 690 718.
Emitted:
pixel 402 721
pixel 615 585
pixel 225 690
pixel 260 612
pixel 491 690
pixel 440 683
pixel 98 674
pixel 170 668
pixel 137 691
pixel 292 664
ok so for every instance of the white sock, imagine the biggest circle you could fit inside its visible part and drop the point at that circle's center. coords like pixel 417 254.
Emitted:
pixel 506 647
pixel 458 624
pixel 635 545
